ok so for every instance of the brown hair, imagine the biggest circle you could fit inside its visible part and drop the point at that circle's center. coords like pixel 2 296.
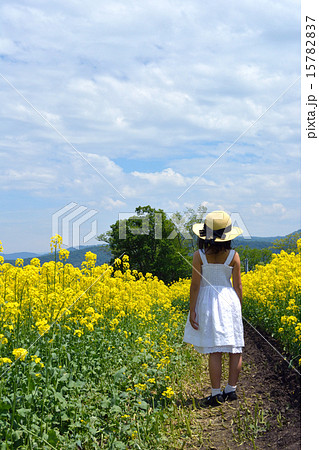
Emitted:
pixel 214 247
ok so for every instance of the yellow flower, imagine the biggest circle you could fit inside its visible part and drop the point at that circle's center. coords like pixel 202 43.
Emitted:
pixel 169 393
pixel 64 254
pixel 5 361
pixel 20 353
pixel 140 386
pixel 43 326
pixel 35 262
pixel 3 340
pixel 90 326
pixel 55 242
pixel 78 333
pixel 36 359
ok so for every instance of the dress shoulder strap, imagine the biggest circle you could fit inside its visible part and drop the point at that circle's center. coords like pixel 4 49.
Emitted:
pixel 229 257
pixel 203 256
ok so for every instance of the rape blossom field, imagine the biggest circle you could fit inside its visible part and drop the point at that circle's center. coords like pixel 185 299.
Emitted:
pixel 93 357
pixel 272 300
pixel 88 356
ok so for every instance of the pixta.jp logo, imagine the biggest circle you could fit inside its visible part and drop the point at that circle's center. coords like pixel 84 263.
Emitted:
pixel 140 224
pixel 72 222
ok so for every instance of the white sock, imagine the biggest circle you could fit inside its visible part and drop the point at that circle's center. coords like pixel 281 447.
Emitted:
pixel 216 391
pixel 229 389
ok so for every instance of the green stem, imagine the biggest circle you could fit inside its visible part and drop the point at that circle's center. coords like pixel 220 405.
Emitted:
pixel 14 401
pixel 38 437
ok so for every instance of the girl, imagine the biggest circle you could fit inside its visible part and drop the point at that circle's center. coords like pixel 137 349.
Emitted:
pixel 214 323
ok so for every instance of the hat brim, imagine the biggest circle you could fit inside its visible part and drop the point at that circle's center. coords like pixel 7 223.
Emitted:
pixel 232 234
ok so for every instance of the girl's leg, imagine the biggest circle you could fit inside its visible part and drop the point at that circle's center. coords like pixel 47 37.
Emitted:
pixel 215 369
pixel 235 362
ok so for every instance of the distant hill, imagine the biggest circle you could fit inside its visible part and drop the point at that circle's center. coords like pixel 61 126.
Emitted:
pixel 104 255
pixel 255 241
pixel 259 242
pixel 14 256
pixel 75 258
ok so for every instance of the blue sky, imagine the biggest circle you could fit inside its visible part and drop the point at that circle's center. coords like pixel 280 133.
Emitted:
pixel 140 98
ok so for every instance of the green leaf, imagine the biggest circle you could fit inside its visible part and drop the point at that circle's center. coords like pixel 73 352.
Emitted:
pixel 105 404
pixel 123 395
pixel 35 428
pixel 143 405
pixel 58 396
pixel 52 439
pixel 29 398
pixel 17 434
pixel 64 377
pixel 116 409
pixel 23 411
pixel 119 374
pixel 5 404
pixel 119 444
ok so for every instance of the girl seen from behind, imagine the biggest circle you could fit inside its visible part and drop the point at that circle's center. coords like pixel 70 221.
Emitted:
pixel 214 325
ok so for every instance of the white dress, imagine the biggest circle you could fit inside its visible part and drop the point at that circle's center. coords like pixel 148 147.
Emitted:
pixel 218 311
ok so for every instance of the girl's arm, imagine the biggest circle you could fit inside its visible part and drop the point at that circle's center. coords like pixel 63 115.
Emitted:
pixel 237 278
pixel 195 284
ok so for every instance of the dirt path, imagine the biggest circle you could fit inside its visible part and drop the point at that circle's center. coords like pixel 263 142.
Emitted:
pixel 267 413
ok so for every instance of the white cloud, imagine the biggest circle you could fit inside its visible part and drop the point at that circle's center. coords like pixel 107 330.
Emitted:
pixel 104 165
pixel 109 203
pixel 7 47
pixel 154 79
pixel 31 179
pixel 151 94
pixel 275 209
pixel 167 176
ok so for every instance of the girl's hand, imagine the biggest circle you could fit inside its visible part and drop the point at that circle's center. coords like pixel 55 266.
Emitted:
pixel 192 319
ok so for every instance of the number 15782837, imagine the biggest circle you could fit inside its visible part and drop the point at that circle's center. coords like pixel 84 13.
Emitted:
pixel 310 47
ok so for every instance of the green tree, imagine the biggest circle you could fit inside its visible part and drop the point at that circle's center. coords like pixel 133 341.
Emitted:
pixel 288 243
pixel 254 255
pixel 184 223
pixel 152 242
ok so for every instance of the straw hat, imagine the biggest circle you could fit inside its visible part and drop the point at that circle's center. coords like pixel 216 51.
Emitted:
pixel 217 227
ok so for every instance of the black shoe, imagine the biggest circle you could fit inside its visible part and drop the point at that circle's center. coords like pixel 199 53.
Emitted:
pixel 215 400
pixel 229 396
